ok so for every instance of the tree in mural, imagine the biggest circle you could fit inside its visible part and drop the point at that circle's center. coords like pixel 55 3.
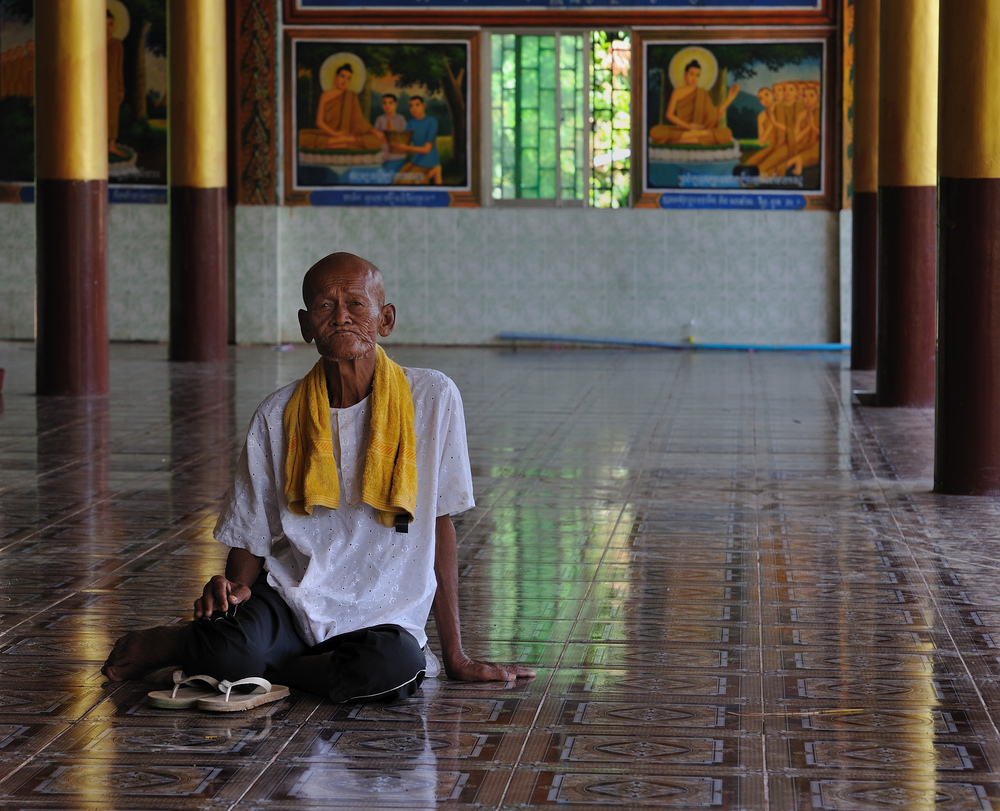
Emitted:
pixel 22 11
pixel 148 32
pixel 743 61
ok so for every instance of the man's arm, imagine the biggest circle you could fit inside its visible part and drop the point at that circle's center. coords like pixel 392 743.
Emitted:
pixel 456 663
pixel 242 569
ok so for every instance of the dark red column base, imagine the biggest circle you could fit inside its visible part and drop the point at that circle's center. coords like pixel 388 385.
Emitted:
pixel 198 271
pixel 864 279
pixel 71 220
pixel 906 286
pixel 967 430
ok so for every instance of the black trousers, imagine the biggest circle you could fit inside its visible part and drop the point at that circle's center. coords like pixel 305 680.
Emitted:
pixel 382 663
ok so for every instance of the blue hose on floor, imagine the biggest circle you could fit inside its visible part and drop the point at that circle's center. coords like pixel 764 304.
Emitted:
pixel 576 339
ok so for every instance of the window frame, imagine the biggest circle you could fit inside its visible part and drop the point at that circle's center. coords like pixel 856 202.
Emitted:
pixel 487 113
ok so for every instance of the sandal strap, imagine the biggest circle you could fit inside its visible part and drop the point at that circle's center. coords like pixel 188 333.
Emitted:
pixel 180 680
pixel 226 686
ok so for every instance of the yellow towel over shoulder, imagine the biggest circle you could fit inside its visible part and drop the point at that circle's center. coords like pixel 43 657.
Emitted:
pixel 389 483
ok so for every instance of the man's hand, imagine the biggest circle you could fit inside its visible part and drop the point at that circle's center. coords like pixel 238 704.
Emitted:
pixel 223 592
pixel 220 594
pixel 469 669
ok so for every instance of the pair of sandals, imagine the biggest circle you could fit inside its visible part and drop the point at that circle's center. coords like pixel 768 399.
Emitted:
pixel 213 695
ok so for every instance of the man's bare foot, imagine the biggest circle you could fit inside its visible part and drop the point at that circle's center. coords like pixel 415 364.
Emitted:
pixel 140 652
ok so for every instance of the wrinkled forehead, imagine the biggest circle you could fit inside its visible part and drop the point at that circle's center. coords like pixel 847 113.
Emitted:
pixel 348 274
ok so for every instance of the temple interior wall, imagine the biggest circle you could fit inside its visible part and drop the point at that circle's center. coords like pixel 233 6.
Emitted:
pixel 467 275
pixel 464 276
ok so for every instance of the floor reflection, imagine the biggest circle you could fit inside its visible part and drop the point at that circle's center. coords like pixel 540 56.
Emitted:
pixel 733 579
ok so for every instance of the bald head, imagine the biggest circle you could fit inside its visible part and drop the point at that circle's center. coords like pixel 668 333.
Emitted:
pixel 345 310
pixel 343 264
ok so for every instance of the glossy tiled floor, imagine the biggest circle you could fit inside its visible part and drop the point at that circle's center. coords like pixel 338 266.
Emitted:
pixel 734 582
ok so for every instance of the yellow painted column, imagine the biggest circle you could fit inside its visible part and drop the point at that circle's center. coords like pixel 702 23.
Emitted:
pixel 864 221
pixel 907 201
pixel 197 175
pixel 71 197
pixel 967 419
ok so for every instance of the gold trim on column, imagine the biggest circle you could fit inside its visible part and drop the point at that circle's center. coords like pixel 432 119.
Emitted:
pixel 866 81
pixel 71 96
pixel 970 90
pixel 197 120
pixel 908 62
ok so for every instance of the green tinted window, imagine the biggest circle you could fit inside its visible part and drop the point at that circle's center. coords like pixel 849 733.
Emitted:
pixel 561 117
pixel 539 88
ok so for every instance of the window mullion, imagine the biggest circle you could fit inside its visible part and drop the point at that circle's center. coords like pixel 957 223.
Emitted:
pixel 558 117
pixel 588 121
pixel 518 119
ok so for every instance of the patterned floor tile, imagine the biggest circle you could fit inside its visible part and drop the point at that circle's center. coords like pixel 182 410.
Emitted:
pixel 583 714
pixel 74 780
pixel 642 751
pixel 335 745
pixel 354 784
pixel 606 683
pixel 655 655
pixel 920 790
pixel 580 789
pixel 735 583
pixel 903 754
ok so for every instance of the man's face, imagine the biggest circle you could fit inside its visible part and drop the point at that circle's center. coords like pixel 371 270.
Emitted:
pixel 416 108
pixel 342 79
pixel 765 96
pixel 791 93
pixel 345 313
pixel 389 105
pixel 691 76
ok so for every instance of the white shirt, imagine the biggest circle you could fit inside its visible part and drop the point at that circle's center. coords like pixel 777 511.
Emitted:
pixel 341 570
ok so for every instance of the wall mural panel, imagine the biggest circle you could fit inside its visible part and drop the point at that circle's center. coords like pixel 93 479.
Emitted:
pixel 736 122
pixel 137 101
pixel 383 119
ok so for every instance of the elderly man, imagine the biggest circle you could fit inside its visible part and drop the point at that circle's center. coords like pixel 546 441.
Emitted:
pixel 338 522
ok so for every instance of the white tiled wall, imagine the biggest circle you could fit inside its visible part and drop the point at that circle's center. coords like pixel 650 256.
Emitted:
pixel 258 275
pixel 466 275
pixel 138 273
pixel 17 271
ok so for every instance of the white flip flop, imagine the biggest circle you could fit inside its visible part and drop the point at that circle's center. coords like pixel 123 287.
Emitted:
pixel 184 696
pixel 263 693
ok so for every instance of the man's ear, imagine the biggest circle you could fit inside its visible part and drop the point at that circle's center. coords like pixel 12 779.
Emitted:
pixel 388 320
pixel 305 327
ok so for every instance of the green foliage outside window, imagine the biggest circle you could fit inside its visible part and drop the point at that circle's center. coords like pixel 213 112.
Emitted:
pixel 558 99
pixel 611 98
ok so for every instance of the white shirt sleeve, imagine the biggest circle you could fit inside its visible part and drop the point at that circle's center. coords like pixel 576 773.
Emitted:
pixel 454 480
pixel 251 513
